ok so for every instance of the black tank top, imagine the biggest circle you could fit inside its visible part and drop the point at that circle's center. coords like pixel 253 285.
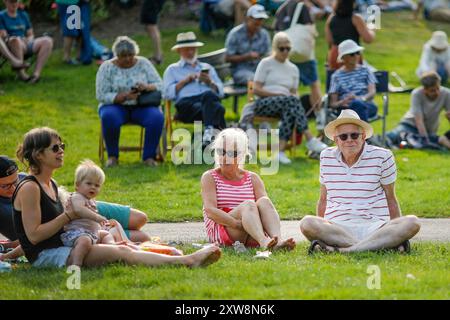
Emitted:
pixel 342 29
pixel 50 209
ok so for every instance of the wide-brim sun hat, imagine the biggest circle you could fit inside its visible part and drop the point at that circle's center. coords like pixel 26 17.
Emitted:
pixel 439 40
pixel 347 47
pixel 257 11
pixel 187 40
pixel 347 116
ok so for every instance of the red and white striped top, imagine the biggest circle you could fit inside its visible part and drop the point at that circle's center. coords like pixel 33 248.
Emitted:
pixel 355 194
pixel 229 194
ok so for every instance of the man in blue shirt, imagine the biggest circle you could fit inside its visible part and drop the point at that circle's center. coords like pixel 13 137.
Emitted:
pixel 247 44
pixel 15 25
pixel 195 87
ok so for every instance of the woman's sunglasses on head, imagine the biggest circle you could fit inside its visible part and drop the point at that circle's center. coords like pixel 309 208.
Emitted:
pixel 353 136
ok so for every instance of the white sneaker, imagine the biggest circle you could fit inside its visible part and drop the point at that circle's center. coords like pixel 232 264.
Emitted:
pixel 315 145
pixel 208 135
pixel 283 158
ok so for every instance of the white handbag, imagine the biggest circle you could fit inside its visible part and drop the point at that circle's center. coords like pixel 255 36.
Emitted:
pixel 302 38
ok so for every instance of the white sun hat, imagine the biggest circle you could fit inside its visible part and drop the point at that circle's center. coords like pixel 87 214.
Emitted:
pixel 257 11
pixel 347 116
pixel 187 40
pixel 439 40
pixel 347 47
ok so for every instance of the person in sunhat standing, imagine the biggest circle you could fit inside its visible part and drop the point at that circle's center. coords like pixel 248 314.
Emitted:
pixel 357 209
pixel 195 87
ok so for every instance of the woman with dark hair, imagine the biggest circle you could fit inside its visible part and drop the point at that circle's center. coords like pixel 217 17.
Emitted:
pixel 39 216
pixel 342 25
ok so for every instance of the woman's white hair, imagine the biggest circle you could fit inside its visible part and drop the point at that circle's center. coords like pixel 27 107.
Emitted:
pixel 125 45
pixel 232 139
pixel 278 38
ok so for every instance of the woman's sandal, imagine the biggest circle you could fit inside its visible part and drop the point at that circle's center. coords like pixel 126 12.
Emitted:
pixel 24 65
pixel 406 247
pixel 323 247
pixel 34 79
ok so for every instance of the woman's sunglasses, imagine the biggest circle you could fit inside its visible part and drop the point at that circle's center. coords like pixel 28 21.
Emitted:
pixel 55 148
pixel 283 49
pixel 230 153
pixel 353 136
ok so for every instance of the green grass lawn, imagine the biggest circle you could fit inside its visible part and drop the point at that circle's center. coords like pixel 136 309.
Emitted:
pixel 285 276
pixel 65 100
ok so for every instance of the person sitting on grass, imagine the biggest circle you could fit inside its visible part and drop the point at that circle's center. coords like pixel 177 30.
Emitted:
pixel 422 118
pixel 358 209
pixel 235 203
pixel 436 56
pixel 15 25
pixel 39 216
pixel 91 227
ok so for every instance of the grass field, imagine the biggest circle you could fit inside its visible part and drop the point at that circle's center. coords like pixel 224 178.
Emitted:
pixel 65 100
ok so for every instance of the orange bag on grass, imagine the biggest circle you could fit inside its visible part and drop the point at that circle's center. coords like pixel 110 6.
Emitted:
pixel 160 248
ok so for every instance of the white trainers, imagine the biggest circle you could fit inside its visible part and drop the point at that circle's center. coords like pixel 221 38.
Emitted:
pixel 283 158
pixel 315 145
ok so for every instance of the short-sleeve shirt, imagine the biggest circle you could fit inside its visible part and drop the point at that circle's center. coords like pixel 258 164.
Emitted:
pixel 355 194
pixel 430 110
pixel 277 77
pixel 15 26
pixel 435 4
pixel 356 81
pixel 238 43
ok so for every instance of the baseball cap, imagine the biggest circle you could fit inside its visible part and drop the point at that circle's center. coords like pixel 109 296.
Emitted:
pixel 257 11
pixel 7 167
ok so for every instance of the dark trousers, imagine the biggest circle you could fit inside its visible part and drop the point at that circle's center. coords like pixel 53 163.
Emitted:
pixel 205 107
pixel 365 110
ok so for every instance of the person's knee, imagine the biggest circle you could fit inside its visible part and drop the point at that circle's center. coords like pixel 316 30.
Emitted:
pixel 137 219
pixel 308 226
pixel 263 201
pixel 250 206
pixel 412 224
pixel 14 42
pixel 110 119
pixel 84 243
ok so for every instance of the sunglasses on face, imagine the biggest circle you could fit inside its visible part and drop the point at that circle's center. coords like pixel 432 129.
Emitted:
pixel 353 136
pixel 9 185
pixel 283 49
pixel 55 148
pixel 230 153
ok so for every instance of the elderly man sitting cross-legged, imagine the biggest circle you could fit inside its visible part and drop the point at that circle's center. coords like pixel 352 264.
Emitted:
pixel 358 209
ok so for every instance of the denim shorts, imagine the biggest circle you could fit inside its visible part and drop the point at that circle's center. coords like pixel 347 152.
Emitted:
pixel 69 237
pixel 308 72
pixel 56 258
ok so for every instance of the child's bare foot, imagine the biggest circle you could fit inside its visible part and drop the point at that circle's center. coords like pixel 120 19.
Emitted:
pixel 288 244
pixel 270 243
pixel 203 257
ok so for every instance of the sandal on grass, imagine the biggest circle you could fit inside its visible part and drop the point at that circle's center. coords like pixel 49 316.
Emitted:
pixel 406 245
pixel 322 245
pixel 34 79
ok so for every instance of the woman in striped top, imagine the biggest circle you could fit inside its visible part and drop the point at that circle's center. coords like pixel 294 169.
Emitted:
pixel 235 202
pixel 358 209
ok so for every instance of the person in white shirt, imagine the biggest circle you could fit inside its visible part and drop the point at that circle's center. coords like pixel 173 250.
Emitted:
pixel 358 209
pixel 436 56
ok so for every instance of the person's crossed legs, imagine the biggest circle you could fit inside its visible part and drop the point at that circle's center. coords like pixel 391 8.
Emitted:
pixel 391 235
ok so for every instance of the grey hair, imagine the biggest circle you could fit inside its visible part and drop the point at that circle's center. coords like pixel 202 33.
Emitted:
pixel 125 45
pixel 280 37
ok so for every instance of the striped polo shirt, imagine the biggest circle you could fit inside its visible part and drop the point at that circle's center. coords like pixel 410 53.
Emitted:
pixel 355 194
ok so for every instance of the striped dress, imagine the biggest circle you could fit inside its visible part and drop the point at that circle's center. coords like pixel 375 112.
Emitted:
pixel 355 194
pixel 229 194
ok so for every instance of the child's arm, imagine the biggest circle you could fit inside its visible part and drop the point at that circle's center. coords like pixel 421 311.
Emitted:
pixel 80 209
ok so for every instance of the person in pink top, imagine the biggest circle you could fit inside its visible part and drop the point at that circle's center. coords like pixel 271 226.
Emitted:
pixel 358 209
pixel 235 203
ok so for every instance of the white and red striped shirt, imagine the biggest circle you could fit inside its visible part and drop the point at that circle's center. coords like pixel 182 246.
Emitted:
pixel 229 194
pixel 355 194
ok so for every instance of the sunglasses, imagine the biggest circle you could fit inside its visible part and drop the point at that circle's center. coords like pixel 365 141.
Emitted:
pixel 9 185
pixel 231 153
pixel 283 49
pixel 353 136
pixel 55 148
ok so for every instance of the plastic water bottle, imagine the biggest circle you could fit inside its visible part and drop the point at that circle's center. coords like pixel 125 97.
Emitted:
pixel 5 267
pixel 239 247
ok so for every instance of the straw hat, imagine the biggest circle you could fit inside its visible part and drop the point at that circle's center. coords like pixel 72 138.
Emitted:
pixel 348 116
pixel 439 40
pixel 187 40
pixel 347 47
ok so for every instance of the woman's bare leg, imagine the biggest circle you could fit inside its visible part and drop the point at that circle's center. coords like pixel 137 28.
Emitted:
pixel 43 48
pixel 138 219
pixel 102 254
pixel 271 223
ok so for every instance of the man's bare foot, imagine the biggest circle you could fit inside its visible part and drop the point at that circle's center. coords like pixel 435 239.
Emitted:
pixel 288 244
pixel 270 243
pixel 204 257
